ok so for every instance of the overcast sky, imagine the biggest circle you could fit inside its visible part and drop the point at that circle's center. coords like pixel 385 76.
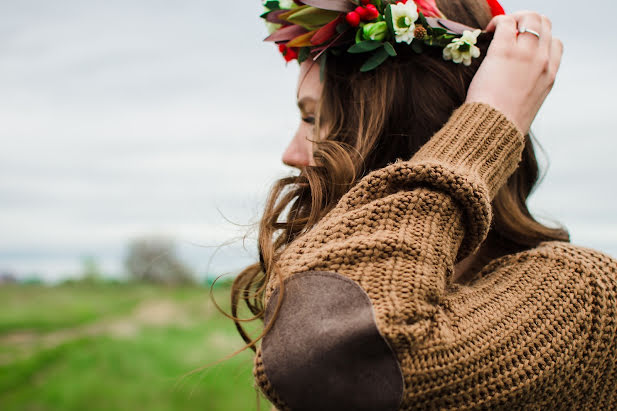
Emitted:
pixel 133 117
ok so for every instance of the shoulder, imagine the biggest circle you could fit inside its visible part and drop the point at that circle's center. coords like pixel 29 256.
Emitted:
pixel 586 258
pixel 565 257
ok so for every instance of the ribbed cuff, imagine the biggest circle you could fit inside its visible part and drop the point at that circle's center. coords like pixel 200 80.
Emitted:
pixel 478 141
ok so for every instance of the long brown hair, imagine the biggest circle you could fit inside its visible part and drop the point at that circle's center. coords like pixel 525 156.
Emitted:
pixel 373 119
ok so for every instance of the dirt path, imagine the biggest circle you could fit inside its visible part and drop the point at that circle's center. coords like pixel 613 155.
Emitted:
pixel 153 313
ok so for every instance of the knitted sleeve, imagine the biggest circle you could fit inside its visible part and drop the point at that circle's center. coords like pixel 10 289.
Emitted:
pixel 370 319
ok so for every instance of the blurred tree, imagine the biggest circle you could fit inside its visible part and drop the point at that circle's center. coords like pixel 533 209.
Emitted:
pixel 153 259
pixel 90 271
pixel 7 277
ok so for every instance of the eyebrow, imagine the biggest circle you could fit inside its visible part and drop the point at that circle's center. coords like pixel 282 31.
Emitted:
pixel 303 102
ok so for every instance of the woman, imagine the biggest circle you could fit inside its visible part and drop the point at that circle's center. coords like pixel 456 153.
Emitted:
pixel 413 274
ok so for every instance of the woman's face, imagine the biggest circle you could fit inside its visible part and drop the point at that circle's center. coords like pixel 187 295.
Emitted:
pixel 300 150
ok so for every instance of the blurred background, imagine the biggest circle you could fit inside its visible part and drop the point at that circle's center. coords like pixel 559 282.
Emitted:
pixel 138 142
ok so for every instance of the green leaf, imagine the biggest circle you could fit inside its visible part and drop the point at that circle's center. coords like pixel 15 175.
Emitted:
pixel 342 27
pixel 312 18
pixel 322 66
pixel 359 36
pixel 388 16
pixel 303 54
pixel 375 60
pixel 441 41
pixel 438 31
pixel 417 46
pixel 272 5
pixel 423 20
pixel 389 49
pixel 364 46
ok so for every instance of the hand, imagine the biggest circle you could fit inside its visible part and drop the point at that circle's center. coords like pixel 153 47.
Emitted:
pixel 519 70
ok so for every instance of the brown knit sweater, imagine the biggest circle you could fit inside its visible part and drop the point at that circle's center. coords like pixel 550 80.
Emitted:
pixel 371 319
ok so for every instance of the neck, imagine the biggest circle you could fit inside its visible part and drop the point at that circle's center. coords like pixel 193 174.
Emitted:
pixel 492 247
pixel 463 270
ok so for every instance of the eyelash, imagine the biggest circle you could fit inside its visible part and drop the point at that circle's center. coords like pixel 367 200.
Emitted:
pixel 309 120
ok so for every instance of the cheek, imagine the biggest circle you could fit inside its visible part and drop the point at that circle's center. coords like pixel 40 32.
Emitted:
pixel 305 132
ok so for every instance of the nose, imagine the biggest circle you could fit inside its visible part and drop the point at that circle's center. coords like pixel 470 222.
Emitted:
pixel 297 154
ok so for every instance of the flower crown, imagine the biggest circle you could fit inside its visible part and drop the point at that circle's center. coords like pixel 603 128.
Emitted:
pixel 310 28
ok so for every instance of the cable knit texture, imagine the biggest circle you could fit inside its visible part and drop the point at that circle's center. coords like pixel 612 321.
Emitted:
pixel 535 329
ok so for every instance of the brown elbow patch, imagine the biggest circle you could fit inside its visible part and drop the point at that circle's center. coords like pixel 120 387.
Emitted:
pixel 324 351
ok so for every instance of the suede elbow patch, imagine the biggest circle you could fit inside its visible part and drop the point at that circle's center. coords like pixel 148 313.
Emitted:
pixel 324 351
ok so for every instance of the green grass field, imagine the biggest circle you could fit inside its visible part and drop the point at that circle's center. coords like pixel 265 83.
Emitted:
pixel 120 347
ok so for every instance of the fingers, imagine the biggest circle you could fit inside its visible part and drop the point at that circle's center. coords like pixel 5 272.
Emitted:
pixel 505 29
pixel 519 70
pixel 546 37
pixel 531 47
pixel 556 54
pixel 532 21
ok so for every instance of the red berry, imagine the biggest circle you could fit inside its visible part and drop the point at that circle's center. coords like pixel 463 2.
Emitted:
pixel 371 12
pixel 353 18
pixel 291 54
pixel 361 11
pixel 365 2
pixel 282 48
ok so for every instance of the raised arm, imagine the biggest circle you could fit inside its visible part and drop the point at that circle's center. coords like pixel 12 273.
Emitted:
pixel 396 235
pixel 370 319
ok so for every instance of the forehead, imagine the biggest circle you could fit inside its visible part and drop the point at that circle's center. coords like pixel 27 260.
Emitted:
pixel 309 84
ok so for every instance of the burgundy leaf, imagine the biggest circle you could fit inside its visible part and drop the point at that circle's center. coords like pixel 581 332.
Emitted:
pixel 286 33
pixel 452 26
pixel 272 17
pixel 334 5
pixel 318 51
pixel 326 32
pixel 342 38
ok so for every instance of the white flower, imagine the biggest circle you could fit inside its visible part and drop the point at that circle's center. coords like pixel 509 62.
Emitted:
pixel 463 48
pixel 404 17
